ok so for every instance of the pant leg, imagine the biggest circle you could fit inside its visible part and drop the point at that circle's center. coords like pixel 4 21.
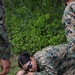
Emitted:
pixel 4 49
pixel 4 41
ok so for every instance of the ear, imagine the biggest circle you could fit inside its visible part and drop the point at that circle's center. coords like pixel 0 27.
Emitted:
pixel 67 3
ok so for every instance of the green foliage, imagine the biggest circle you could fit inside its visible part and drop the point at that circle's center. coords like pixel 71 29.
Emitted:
pixel 33 25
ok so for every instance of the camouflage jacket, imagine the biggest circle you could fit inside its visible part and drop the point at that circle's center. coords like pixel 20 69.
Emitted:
pixel 4 51
pixel 53 61
pixel 68 20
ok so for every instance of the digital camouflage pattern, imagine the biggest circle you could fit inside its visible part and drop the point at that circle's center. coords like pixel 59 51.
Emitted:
pixel 4 42
pixel 60 59
pixel 53 61
pixel 69 21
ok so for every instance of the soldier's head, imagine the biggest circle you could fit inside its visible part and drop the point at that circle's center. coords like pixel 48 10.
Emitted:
pixel 27 62
pixel 68 1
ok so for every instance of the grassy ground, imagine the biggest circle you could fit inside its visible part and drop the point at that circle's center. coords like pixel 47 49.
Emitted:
pixel 14 65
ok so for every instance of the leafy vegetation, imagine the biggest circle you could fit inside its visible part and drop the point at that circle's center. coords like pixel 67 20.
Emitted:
pixel 34 24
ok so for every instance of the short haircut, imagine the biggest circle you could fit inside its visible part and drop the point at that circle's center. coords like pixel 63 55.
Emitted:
pixel 23 59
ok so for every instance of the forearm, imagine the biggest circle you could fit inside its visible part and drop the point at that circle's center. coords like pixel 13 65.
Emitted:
pixel 44 73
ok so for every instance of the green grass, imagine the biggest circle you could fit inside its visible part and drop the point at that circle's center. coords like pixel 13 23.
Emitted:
pixel 14 65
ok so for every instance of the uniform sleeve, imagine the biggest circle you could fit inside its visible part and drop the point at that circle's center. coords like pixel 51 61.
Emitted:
pixel 43 73
pixel 49 59
pixel 72 8
pixel 69 22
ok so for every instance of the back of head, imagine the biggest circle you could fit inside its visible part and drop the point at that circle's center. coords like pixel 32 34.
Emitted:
pixel 64 2
pixel 68 0
pixel 23 59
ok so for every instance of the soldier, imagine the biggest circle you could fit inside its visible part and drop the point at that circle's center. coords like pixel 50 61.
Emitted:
pixel 48 61
pixel 4 43
pixel 68 20
pixel 56 60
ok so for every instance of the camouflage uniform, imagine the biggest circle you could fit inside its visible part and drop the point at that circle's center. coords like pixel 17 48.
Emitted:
pixel 60 59
pixel 4 42
pixel 69 21
pixel 53 61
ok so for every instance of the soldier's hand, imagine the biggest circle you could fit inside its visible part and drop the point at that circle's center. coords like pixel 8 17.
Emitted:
pixel 30 73
pixel 5 65
pixel 21 72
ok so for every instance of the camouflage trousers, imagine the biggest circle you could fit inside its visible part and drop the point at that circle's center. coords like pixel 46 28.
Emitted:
pixel 4 49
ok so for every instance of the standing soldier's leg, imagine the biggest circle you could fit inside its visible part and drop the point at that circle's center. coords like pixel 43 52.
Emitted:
pixel 4 43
